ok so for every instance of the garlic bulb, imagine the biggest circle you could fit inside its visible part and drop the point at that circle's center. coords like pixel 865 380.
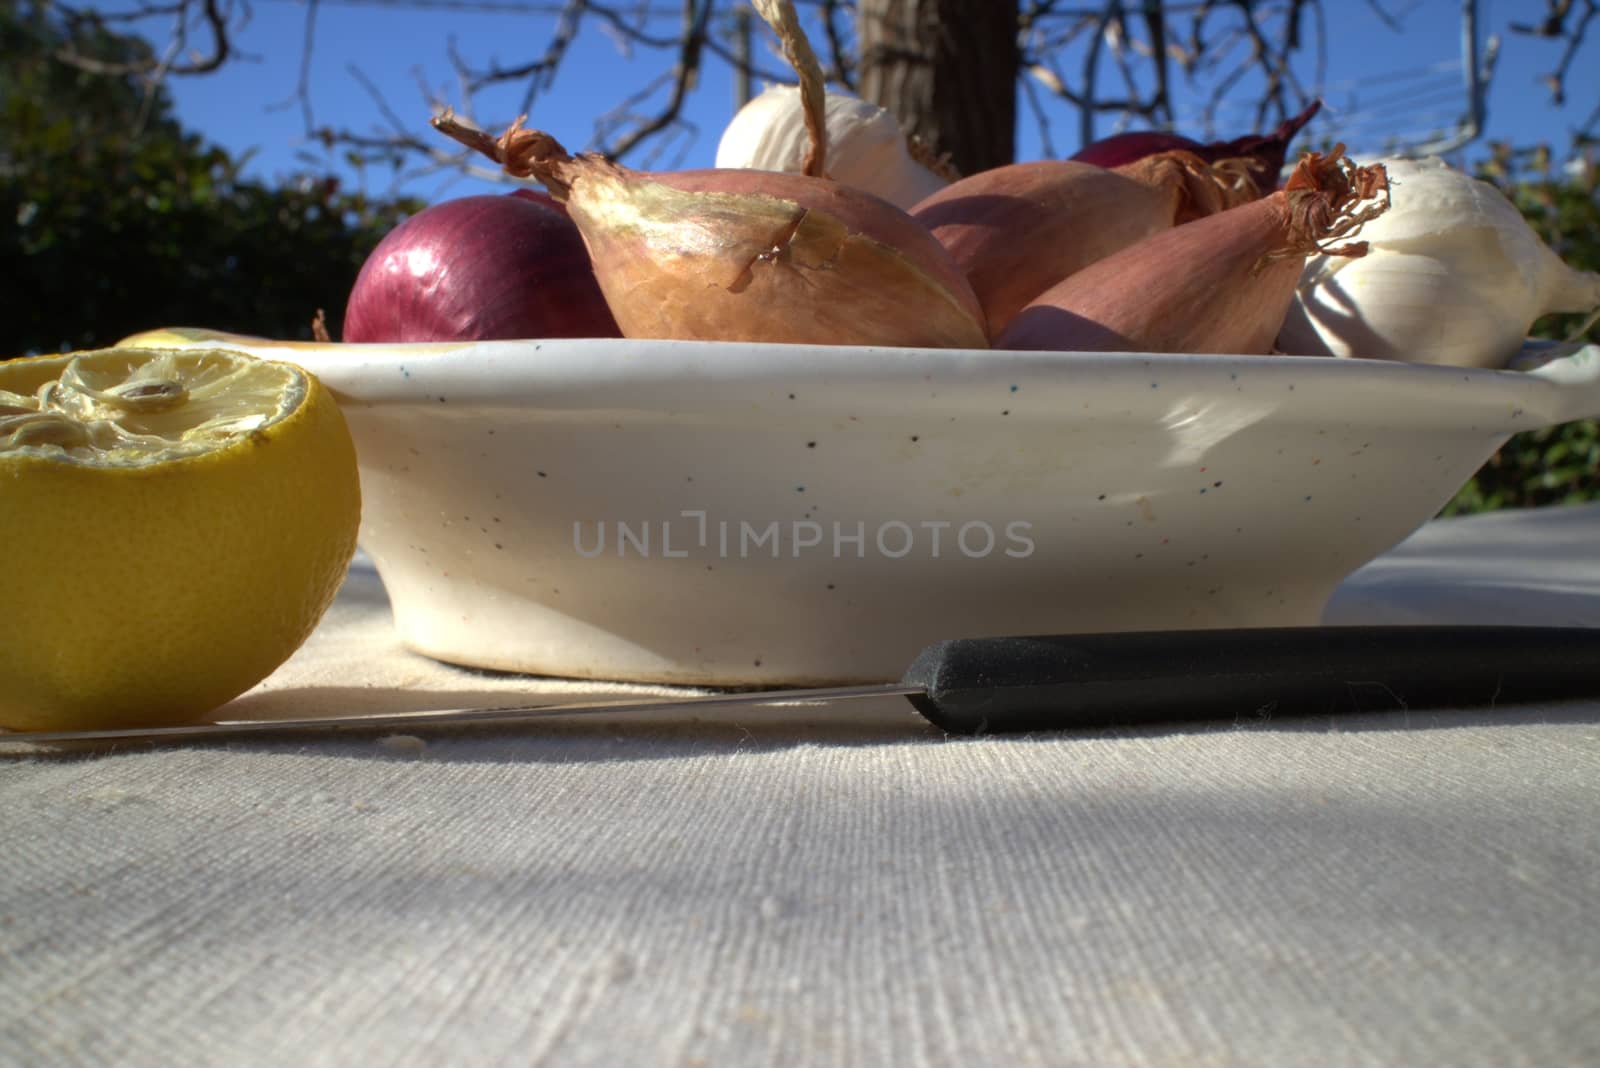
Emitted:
pixel 1454 275
pixel 867 148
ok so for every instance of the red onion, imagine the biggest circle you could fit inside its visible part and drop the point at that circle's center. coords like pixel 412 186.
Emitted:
pixel 1266 151
pixel 539 196
pixel 480 268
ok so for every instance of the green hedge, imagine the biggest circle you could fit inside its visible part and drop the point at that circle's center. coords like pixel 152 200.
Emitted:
pixel 1560 464
pixel 117 220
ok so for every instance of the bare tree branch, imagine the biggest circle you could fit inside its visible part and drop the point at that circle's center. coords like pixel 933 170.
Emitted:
pixel 1091 70
pixel 211 14
pixel 696 14
pixel 1124 60
pixel 302 89
pixel 1155 21
pixel 1391 21
pixel 1554 25
pixel 1030 95
pixel 841 65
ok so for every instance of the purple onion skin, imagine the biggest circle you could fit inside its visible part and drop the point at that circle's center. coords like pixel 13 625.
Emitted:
pixel 1118 149
pixel 1269 150
pixel 539 196
pixel 480 268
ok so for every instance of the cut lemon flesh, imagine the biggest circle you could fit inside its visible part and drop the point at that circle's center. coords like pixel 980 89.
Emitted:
pixel 141 408
pixel 173 525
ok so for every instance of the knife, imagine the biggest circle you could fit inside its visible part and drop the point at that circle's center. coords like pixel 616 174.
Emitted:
pixel 1079 681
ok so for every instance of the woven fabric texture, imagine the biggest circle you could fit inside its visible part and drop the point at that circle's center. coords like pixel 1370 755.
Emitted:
pixel 824 886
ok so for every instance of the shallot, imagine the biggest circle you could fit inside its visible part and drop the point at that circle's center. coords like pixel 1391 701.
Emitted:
pixel 738 255
pixel 1219 285
pixel 1018 229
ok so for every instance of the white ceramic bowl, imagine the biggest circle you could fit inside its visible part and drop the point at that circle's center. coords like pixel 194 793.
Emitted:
pixel 724 487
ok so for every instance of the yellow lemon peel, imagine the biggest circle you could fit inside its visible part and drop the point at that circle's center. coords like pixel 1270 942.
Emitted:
pixel 173 525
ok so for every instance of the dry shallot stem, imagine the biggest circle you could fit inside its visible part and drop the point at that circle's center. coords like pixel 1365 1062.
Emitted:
pixel 1203 188
pixel 781 16
pixel 521 152
pixel 1328 198
pixel 1237 175
pixel 937 162
pixel 447 123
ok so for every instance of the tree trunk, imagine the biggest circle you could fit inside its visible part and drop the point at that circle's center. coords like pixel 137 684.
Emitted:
pixel 947 69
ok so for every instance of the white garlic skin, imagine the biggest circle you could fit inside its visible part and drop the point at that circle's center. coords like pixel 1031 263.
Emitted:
pixel 866 146
pixel 1454 275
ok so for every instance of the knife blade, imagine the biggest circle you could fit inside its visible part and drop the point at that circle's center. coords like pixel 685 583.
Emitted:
pixel 1081 681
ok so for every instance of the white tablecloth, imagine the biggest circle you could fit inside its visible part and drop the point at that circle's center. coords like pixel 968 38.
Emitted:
pixel 828 886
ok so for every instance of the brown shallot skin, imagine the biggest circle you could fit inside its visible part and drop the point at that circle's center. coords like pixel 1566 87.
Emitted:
pixel 1219 285
pixel 744 255
pixel 1018 229
pixel 732 255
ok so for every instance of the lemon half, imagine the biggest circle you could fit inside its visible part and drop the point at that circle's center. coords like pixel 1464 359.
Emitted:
pixel 173 524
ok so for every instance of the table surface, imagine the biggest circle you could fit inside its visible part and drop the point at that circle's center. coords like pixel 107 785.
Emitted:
pixel 838 885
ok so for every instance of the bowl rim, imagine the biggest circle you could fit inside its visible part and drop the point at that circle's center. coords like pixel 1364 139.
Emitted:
pixel 1546 384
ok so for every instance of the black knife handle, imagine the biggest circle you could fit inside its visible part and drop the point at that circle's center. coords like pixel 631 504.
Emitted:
pixel 977 685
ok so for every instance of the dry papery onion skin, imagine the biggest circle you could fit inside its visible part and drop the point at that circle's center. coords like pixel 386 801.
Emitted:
pixel 749 255
pixel 793 262
pixel 139 407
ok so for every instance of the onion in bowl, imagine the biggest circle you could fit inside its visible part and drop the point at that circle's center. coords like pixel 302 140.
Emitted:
pixel 479 268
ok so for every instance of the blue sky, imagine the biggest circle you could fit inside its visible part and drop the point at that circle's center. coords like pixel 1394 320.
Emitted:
pixel 1403 81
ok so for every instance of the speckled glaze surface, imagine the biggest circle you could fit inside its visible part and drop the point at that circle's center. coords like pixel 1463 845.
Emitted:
pixel 771 515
